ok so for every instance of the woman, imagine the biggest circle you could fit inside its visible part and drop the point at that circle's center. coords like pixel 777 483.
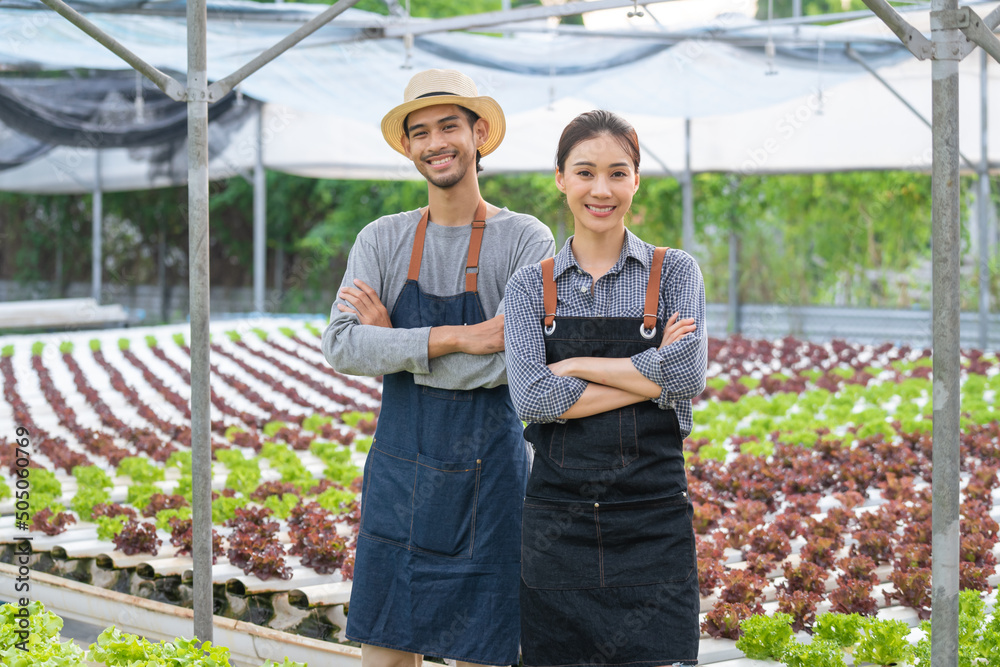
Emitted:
pixel 605 380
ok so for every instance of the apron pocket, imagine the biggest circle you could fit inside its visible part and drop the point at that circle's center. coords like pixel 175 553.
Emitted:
pixel 599 442
pixel 445 496
pixel 647 542
pixel 559 545
pixel 387 496
pixel 463 395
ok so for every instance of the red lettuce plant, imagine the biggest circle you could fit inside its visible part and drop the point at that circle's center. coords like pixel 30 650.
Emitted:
pixel 858 568
pixel 706 516
pixel 876 544
pixel 806 577
pixel 743 587
pixel 181 536
pixel 723 621
pixel 768 541
pixel 49 523
pixel 821 551
pixel 913 589
pixel 161 501
pixel 853 596
pixel 801 606
pixel 314 536
pixel 913 556
pixel 137 538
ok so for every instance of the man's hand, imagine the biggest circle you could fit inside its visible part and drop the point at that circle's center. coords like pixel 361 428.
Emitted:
pixel 365 302
pixel 483 338
pixel 676 329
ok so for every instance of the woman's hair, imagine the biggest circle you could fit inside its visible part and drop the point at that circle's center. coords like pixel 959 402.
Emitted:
pixel 593 124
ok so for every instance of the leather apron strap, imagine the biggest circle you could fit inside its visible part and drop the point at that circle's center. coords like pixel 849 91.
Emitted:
pixel 475 244
pixel 549 290
pixel 652 290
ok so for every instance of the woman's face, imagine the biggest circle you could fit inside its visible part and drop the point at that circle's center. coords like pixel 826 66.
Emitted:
pixel 599 181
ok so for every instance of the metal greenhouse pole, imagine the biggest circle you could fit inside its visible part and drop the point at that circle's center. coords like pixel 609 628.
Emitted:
pixel 97 231
pixel 954 34
pixel 259 218
pixel 687 193
pixel 983 205
pixel 198 288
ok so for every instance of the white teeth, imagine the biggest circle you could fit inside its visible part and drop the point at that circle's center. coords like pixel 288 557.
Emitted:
pixel 441 161
pixel 601 209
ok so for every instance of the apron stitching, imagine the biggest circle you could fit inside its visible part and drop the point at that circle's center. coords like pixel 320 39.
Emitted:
pixel 635 431
pixel 366 480
pixel 413 496
pixel 562 456
pixel 475 511
pixel 600 545
pixel 621 444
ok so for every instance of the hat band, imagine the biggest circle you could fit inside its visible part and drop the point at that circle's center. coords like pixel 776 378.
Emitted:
pixel 431 95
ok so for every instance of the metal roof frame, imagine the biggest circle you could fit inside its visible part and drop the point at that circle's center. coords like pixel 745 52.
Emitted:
pixel 955 32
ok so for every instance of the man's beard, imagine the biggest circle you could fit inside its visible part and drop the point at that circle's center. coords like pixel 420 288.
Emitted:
pixel 444 181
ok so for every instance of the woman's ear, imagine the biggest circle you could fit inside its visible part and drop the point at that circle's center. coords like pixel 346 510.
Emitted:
pixel 636 188
pixel 559 182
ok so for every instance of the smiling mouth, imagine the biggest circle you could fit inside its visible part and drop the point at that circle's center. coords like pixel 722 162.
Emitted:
pixel 600 209
pixel 440 160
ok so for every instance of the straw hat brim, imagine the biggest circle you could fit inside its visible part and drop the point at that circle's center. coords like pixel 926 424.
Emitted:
pixel 485 107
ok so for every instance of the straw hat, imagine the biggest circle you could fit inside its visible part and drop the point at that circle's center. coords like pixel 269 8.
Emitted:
pixel 444 86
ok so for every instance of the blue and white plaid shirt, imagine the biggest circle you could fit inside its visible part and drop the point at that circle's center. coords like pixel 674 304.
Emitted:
pixel 679 368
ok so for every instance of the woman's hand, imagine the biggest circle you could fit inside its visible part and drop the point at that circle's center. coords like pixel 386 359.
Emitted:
pixel 676 329
pixel 564 368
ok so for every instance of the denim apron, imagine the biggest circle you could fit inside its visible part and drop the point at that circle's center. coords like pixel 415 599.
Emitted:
pixel 608 559
pixel 437 561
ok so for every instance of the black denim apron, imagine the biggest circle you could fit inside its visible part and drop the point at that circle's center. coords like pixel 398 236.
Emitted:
pixel 608 560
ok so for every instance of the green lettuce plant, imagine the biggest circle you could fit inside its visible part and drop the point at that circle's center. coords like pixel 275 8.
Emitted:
pixel 840 629
pixel 883 642
pixel 38 644
pixel 765 637
pixel 819 653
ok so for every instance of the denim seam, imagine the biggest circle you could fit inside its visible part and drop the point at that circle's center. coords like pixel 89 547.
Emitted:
pixel 475 512
pixel 635 431
pixel 413 499
pixel 621 442
pixel 600 544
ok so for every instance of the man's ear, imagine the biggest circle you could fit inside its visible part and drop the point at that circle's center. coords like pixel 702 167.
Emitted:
pixel 406 143
pixel 559 182
pixel 481 131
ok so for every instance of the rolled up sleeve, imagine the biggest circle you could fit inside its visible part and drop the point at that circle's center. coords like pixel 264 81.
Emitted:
pixel 360 349
pixel 538 395
pixel 679 368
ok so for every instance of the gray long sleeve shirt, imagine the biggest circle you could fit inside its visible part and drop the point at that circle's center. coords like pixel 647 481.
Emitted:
pixel 381 257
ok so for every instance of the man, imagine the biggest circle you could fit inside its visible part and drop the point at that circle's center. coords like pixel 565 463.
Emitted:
pixel 438 557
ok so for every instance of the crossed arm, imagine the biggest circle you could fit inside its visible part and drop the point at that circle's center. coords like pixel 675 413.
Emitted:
pixel 614 383
pixel 483 338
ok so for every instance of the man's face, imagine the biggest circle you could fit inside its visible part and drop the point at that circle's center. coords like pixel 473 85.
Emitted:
pixel 442 145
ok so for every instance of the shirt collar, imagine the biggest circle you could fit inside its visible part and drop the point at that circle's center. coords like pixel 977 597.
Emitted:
pixel 633 247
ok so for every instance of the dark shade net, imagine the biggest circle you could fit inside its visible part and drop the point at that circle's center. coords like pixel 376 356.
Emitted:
pixel 105 109
pixel 96 109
